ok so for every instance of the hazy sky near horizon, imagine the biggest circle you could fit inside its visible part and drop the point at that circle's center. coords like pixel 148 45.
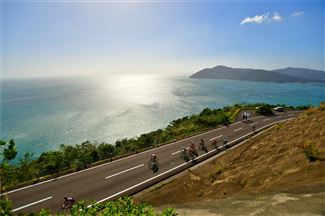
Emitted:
pixel 70 38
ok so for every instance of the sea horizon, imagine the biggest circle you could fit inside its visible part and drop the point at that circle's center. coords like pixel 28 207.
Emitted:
pixel 40 116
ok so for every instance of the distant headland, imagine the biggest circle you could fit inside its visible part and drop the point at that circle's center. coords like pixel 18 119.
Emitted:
pixel 289 74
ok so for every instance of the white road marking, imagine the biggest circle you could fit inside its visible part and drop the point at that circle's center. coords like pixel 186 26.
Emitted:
pixel 157 176
pixel 108 163
pixel 266 119
pixel 253 124
pixel 290 114
pixel 178 151
pixel 124 171
pixel 278 117
pixel 33 203
pixel 214 138
pixel 134 186
pixel 238 129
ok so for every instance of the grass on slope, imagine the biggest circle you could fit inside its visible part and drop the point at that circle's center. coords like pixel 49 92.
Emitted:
pixel 288 157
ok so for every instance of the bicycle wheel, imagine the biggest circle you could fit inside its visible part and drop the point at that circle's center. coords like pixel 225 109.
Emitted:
pixel 63 211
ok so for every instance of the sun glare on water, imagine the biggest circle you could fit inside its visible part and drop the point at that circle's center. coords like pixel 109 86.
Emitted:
pixel 139 89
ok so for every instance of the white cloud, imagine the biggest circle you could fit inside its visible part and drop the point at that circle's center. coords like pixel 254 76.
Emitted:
pixel 258 19
pixel 297 13
pixel 276 17
pixel 264 18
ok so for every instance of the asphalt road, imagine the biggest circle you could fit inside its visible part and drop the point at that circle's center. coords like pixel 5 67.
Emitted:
pixel 129 175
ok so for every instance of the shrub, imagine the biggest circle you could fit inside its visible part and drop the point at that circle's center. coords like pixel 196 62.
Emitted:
pixel 5 207
pixel 264 109
pixel 304 107
pixel 215 173
pixel 125 206
pixel 311 152
pixel 310 111
pixel 278 126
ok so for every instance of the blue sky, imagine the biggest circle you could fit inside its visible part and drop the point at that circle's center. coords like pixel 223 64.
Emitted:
pixel 86 38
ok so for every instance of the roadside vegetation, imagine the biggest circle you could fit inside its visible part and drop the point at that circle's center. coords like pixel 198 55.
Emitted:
pixel 122 206
pixel 264 109
pixel 76 157
pixel 70 158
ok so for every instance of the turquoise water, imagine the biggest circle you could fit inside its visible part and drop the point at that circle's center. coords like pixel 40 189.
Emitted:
pixel 41 114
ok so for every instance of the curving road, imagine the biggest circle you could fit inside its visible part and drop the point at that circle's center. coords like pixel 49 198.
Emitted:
pixel 129 175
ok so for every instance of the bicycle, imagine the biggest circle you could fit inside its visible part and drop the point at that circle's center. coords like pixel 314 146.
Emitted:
pixel 66 206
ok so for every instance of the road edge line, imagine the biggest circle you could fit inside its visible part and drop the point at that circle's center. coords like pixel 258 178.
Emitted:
pixel 174 168
pixel 30 204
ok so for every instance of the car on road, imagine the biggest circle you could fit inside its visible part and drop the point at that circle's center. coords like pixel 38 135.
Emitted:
pixel 279 109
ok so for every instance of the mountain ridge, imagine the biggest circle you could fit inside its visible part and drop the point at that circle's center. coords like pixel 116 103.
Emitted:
pixel 283 75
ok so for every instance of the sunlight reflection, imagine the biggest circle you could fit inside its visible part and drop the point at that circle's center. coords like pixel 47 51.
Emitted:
pixel 140 89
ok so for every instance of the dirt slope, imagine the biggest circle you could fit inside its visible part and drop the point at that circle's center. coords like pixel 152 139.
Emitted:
pixel 289 157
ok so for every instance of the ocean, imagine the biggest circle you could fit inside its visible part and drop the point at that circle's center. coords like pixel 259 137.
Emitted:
pixel 41 114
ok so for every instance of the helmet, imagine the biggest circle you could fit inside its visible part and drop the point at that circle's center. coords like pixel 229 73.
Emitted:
pixel 153 155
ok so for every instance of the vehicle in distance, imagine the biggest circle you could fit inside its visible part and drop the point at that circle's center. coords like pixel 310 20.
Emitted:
pixel 279 109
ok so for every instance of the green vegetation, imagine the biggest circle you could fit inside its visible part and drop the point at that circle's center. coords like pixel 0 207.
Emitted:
pixel 27 167
pixel 122 206
pixel 70 158
pixel 5 207
pixel 8 152
pixel 264 109
pixel 311 152
pixel 217 170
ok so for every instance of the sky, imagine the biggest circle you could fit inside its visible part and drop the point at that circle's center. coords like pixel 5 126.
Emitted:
pixel 78 38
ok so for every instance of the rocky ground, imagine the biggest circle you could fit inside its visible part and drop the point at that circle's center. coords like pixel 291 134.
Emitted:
pixel 304 204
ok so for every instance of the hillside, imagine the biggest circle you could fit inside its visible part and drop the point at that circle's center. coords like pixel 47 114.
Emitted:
pixel 281 75
pixel 282 168
pixel 302 73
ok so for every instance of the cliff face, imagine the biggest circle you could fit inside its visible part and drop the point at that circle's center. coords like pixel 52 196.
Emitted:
pixel 281 75
pixel 289 157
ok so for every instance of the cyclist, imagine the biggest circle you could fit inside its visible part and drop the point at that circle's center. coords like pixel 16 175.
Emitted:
pixel 184 154
pixel 202 146
pixel 192 148
pixel 215 143
pixel 254 127
pixel 225 142
pixel 153 158
pixel 153 163
pixel 184 150
pixel 68 202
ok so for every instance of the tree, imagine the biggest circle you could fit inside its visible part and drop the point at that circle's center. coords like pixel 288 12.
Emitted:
pixel 5 207
pixel 106 150
pixel 264 109
pixel 7 153
pixel 26 170
pixel 10 152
